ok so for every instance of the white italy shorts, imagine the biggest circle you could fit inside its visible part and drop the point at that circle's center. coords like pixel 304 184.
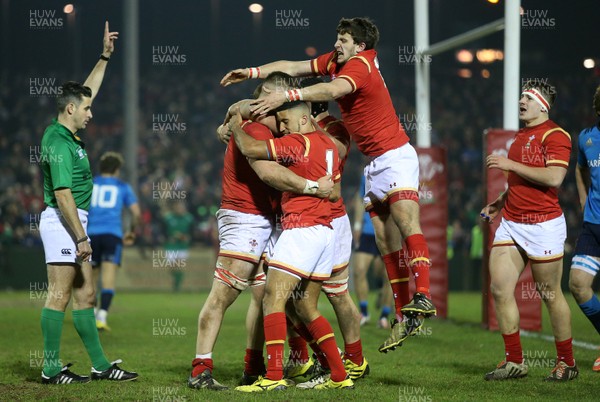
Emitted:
pixel 305 252
pixel 58 240
pixel 243 236
pixel 542 242
pixel 392 176
pixel 342 247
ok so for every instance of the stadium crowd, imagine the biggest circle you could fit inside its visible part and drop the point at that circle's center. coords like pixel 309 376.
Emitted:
pixel 185 160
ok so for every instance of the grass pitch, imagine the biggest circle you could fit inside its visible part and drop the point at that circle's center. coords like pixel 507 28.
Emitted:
pixel 155 335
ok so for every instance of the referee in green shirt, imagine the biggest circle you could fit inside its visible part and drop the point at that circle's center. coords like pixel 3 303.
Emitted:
pixel 67 193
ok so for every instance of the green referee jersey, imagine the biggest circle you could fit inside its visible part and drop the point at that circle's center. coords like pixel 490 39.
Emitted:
pixel 65 164
pixel 178 225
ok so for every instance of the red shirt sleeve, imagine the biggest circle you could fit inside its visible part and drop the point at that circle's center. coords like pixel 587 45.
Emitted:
pixel 320 65
pixel 257 130
pixel 287 149
pixel 557 144
pixel 356 71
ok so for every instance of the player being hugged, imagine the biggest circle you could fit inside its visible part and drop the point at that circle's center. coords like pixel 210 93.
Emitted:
pixel 533 229
pixel 303 256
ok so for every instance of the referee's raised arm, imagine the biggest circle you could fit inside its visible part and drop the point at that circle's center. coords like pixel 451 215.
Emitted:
pixel 94 80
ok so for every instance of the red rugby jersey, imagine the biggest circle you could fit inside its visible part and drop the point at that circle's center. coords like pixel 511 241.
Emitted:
pixel 367 111
pixel 337 130
pixel 545 144
pixel 243 190
pixel 311 156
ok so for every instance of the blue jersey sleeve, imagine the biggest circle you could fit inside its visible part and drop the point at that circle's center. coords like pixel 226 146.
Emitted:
pixel 581 158
pixel 129 198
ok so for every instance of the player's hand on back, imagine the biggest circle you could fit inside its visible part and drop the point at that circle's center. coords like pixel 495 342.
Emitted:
pixel 235 120
pixel 325 186
pixel 224 133
pixel 235 76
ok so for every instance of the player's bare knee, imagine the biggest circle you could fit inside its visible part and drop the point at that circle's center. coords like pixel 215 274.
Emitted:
pixel 501 293
pixel 578 289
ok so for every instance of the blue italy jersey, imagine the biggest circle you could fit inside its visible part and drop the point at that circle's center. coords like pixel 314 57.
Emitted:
pixel 109 197
pixel 367 226
pixel 589 155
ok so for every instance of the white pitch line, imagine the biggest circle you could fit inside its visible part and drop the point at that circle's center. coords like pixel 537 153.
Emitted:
pixel 581 344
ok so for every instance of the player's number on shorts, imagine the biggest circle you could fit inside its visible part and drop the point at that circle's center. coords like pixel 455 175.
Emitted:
pixel 104 196
pixel 329 160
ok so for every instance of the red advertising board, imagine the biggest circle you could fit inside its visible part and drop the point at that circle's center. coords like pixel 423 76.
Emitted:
pixel 433 199
pixel 498 141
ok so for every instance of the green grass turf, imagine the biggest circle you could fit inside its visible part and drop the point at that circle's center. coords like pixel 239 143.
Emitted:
pixel 447 362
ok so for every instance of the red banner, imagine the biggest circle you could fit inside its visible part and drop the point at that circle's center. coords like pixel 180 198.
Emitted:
pixel 530 305
pixel 433 198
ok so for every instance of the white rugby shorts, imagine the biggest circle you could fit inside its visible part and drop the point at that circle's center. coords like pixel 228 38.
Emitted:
pixel 243 236
pixel 305 252
pixel 394 174
pixel 542 241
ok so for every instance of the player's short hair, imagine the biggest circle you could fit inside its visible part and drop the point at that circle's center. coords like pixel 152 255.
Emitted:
pixel 281 80
pixel 362 30
pixel 316 108
pixel 597 100
pixel 293 105
pixel 110 162
pixel 548 91
pixel 72 92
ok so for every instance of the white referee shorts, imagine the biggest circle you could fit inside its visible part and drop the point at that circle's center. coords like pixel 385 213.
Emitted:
pixel 342 247
pixel 242 236
pixel 59 242
pixel 305 252
pixel 392 176
pixel 542 242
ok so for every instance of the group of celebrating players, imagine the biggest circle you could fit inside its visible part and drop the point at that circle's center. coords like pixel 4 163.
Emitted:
pixel 277 145
pixel 284 232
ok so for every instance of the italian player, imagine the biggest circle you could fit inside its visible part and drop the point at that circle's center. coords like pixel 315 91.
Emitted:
pixel 67 194
pixel 110 197
pixel 303 255
pixel 392 174
pixel 586 262
pixel 533 229
pixel 365 255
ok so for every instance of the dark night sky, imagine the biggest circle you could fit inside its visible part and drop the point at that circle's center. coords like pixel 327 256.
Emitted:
pixel 219 34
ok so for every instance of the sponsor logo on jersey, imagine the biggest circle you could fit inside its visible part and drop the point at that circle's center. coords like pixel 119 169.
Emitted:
pixel 65 251
pixel 588 143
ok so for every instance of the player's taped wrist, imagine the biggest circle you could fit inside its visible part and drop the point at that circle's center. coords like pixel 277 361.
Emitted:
pixel 357 226
pixel 310 187
pixel 253 72
pixel 293 95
